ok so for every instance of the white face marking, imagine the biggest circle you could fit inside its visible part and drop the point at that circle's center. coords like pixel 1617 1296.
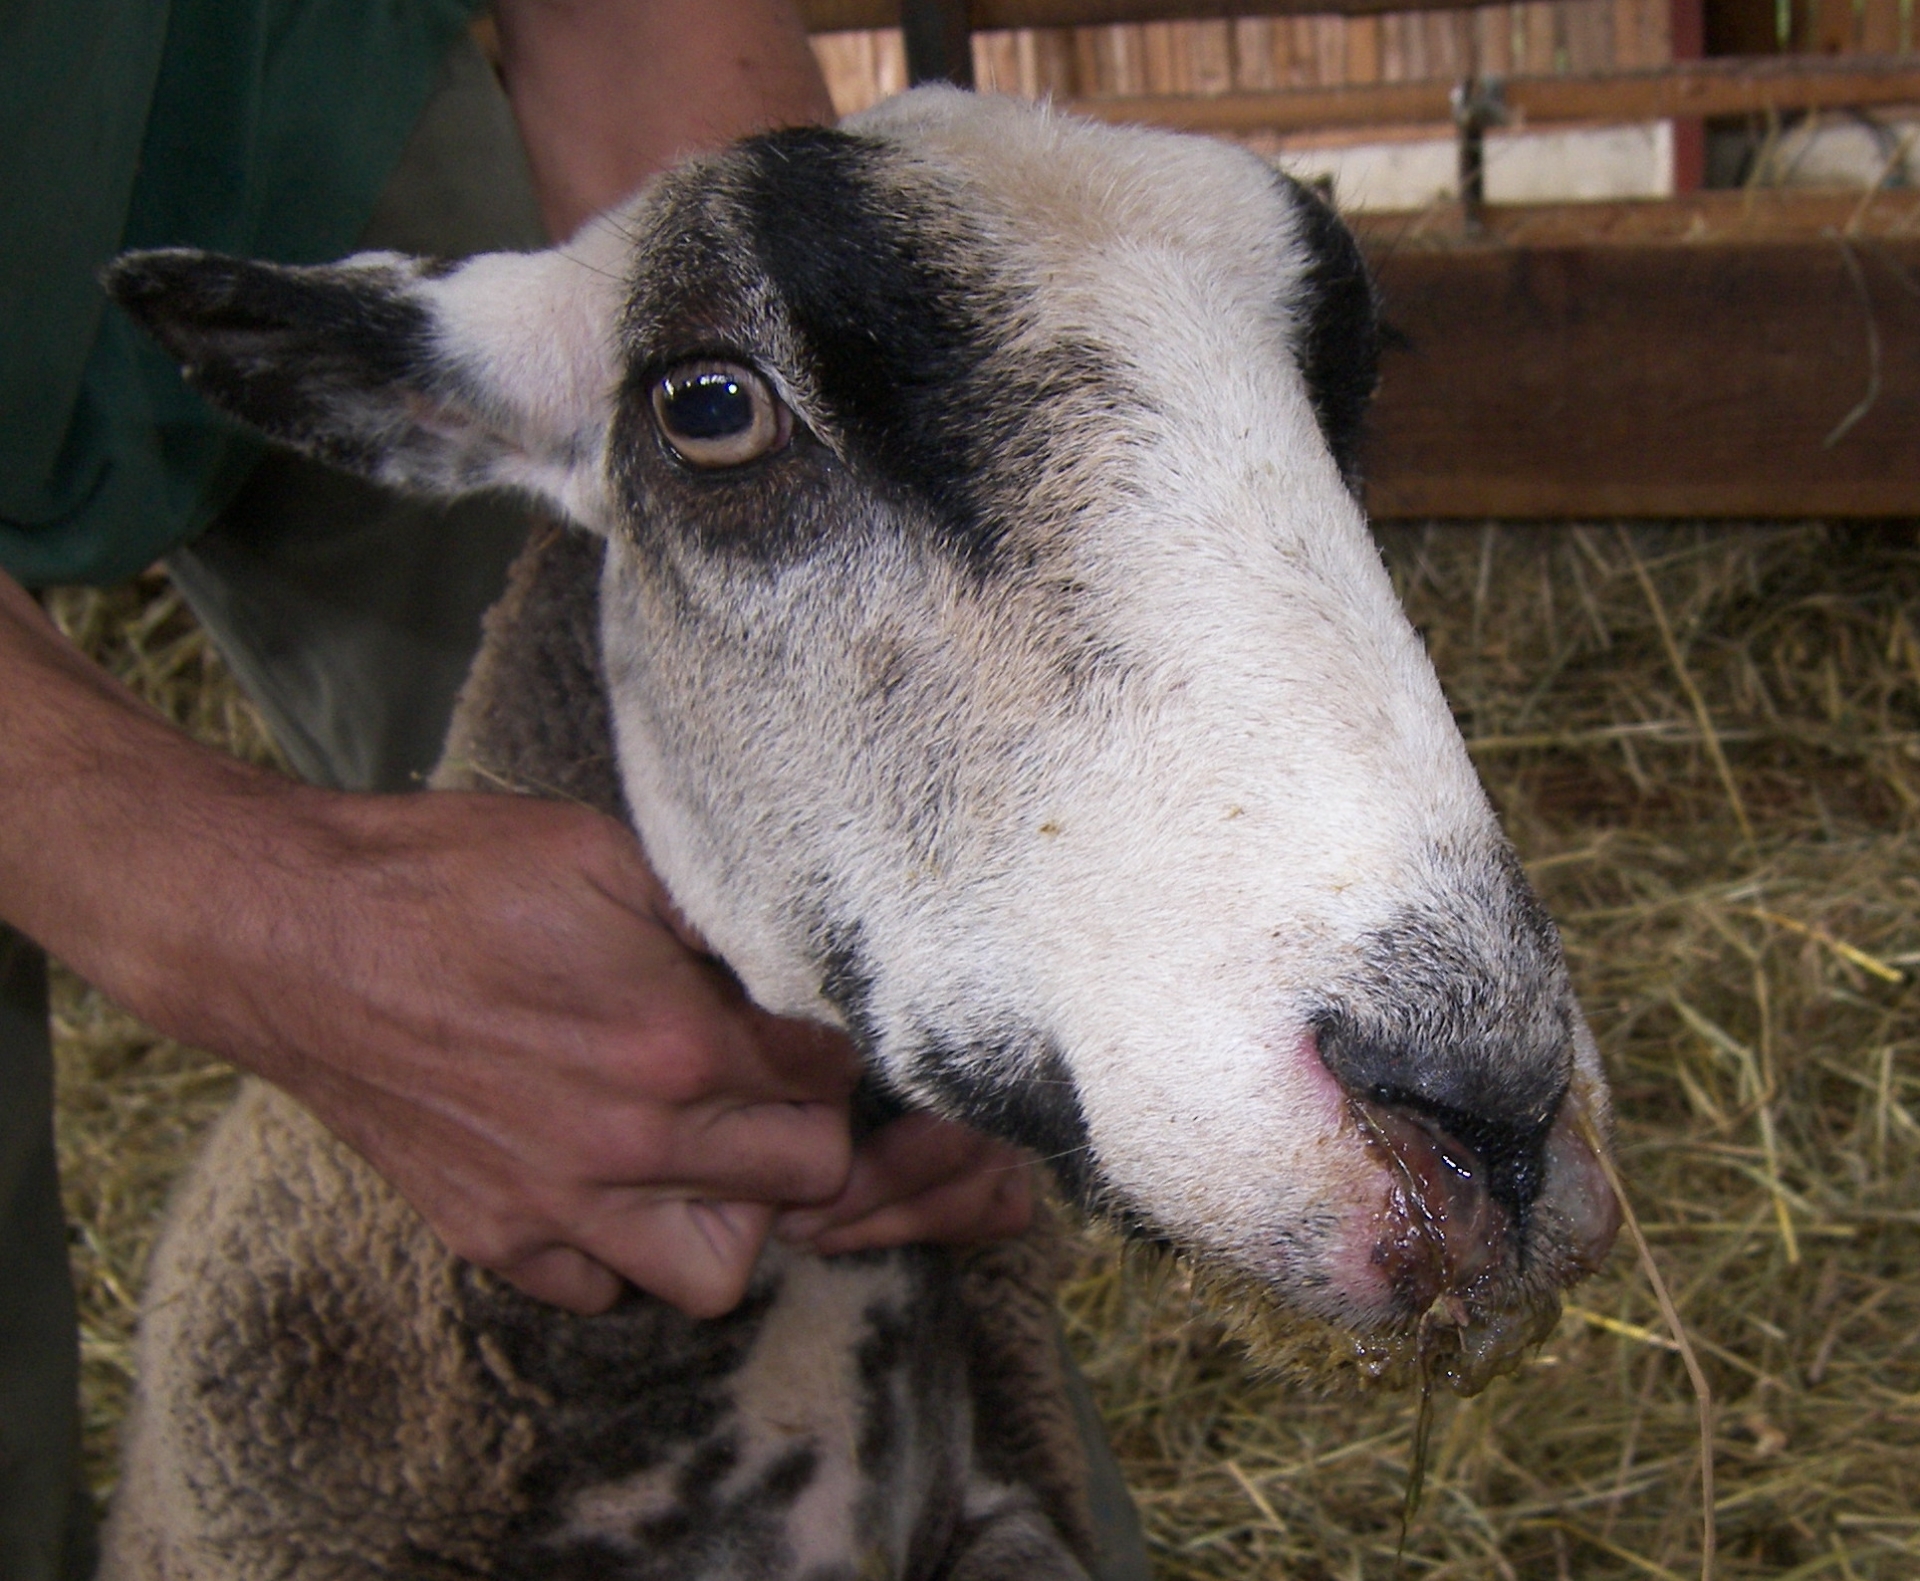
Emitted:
pixel 1158 868
pixel 1174 859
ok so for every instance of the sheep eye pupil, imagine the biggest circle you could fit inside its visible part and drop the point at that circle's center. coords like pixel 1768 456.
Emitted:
pixel 717 414
pixel 707 406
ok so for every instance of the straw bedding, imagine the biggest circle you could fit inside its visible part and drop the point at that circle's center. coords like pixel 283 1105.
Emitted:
pixel 1706 742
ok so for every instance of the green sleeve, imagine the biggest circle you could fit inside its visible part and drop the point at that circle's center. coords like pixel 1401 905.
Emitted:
pixel 263 127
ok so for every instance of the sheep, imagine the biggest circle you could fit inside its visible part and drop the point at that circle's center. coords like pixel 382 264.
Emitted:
pixel 966 597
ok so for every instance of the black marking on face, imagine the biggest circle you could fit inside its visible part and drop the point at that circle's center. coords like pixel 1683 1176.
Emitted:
pixel 1462 1013
pixel 1339 318
pixel 318 358
pixel 1018 1088
pixel 846 981
pixel 905 312
pixel 895 317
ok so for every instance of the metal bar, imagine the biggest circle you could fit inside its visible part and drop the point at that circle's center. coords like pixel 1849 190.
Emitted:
pixel 1732 86
pixel 939 41
pixel 1477 105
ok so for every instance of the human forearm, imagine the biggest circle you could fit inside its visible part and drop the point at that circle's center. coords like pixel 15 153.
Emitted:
pixel 609 92
pixel 104 807
pixel 484 995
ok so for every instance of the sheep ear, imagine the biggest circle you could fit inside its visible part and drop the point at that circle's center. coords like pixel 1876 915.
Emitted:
pixel 499 372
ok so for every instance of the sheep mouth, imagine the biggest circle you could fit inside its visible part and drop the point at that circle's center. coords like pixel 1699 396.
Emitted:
pixel 1453 1256
pixel 1464 1286
pixel 1476 1275
pixel 1440 1230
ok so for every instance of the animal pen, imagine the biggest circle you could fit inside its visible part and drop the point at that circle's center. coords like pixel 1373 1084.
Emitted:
pixel 1647 469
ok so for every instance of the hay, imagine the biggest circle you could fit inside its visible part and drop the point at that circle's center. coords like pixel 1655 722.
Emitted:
pixel 1755 998
pixel 1765 1075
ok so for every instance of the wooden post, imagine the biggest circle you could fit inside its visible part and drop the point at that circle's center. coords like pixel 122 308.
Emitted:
pixel 1571 364
pixel 1476 106
pixel 1688 35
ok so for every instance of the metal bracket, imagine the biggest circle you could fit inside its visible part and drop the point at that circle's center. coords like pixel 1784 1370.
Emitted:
pixel 1478 103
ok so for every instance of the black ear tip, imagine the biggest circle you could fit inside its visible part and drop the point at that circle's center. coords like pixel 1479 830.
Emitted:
pixel 143 282
pixel 133 276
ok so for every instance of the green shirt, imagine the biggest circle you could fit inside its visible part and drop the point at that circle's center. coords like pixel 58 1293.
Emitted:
pixel 262 127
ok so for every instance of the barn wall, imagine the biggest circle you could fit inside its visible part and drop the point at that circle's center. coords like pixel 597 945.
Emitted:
pixel 1329 51
pixel 1277 52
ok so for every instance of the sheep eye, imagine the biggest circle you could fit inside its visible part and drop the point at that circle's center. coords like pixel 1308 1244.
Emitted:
pixel 719 414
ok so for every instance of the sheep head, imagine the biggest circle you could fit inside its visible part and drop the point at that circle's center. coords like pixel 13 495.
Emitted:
pixel 1002 670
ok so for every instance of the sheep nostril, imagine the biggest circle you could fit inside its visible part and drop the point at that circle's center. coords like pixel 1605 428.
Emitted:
pixel 1492 1101
pixel 1510 1158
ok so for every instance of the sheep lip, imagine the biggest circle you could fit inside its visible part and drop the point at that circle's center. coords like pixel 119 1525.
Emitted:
pixel 1471 1291
pixel 1440 1232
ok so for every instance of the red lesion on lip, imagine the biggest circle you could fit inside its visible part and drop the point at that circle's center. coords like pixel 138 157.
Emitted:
pixel 1440 1229
pixel 1468 1301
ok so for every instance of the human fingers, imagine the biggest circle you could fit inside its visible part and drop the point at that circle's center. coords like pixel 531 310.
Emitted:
pixel 902 1159
pixel 729 1044
pixel 696 1254
pixel 564 1277
pixel 935 1173
pixel 769 1152
pixel 572 1243
pixel 987 1204
pixel 820 1060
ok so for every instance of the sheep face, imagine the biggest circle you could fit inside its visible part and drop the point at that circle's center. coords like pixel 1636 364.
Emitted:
pixel 1002 670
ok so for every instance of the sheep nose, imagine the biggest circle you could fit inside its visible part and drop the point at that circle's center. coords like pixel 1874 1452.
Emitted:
pixel 1485 1106
pixel 1442 1228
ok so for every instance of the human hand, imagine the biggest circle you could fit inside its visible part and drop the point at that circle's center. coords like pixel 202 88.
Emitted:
pixel 490 997
pixel 920 1178
pixel 512 1023
pixel 666 1115
pixel 492 1000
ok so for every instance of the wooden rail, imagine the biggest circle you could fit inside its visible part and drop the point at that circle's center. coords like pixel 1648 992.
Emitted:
pixel 1738 85
pixel 1730 355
